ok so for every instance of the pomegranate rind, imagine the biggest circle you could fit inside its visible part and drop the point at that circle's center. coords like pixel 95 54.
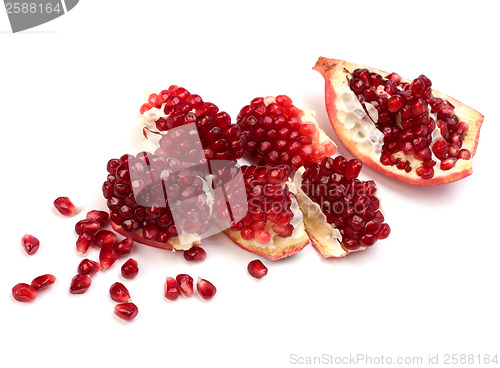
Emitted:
pixel 335 72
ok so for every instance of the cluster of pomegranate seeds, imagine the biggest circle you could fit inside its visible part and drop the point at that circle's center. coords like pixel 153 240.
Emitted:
pixel 23 292
pixel 183 285
pixel 65 206
pixel 347 202
pixel 89 231
pixel 80 284
pixel 269 203
pixel 275 134
pixel 130 269
pixel 257 269
pixel 404 117
pixel 30 244
pixel 88 267
pixel 205 288
pixel 150 176
pixel 126 311
pixel 195 254
pixel 220 139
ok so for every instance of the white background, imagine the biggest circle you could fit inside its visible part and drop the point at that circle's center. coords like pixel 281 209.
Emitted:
pixel 70 91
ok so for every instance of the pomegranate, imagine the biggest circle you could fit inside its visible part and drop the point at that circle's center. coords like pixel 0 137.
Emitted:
pixel 130 269
pixel 342 214
pixel 402 128
pixel 30 244
pixel 257 269
pixel 276 132
pixel 205 288
pixel 65 206
pixel 273 226
pixel 43 281
pixel 176 107
pixel 126 311
pixel 24 293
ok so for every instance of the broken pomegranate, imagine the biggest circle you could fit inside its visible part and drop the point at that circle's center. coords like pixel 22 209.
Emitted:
pixel 88 267
pixel 65 206
pixel 130 269
pixel 341 213
pixel 43 281
pixel 402 128
pixel 185 283
pixel 195 254
pixel 277 132
pixel 273 226
pixel 30 244
pixel 257 269
pixel 126 311
pixel 119 293
pixel 24 293
pixel 80 284
pixel 172 290
pixel 205 288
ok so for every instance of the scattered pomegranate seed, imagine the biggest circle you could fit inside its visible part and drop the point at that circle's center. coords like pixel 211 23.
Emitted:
pixel 124 247
pixel 101 217
pixel 205 288
pixel 172 291
pixel 24 293
pixel 126 311
pixel 43 281
pixel 195 254
pixel 119 293
pixel 80 284
pixel 257 269
pixel 30 244
pixel 105 238
pixel 83 242
pixel 87 226
pixel 88 267
pixel 65 206
pixel 130 269
pixel 185 283
pixel 107 256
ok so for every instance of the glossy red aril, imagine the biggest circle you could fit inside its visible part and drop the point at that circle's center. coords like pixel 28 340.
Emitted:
pixel 277 132
pixel 205 288
pixel 124 247
pixel 24 293
pixel 257 269
pixel 30 244
pixel 43 281
pixel 185 283
pixel 84 241
pixel 102 217
pixel 105 238
pixel 130 269
pixel 126 311
pixel 107 257
pixel 65 206
pixel 172 290
pixel 88 267
pixel 119 293
pixel 80 284
pixel 195 254
pixel 87 226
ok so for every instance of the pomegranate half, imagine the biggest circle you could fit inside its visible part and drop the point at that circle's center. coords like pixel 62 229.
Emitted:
pixel 402 128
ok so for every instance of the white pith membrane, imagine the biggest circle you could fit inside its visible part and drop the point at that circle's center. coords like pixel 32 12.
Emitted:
pixel 358 127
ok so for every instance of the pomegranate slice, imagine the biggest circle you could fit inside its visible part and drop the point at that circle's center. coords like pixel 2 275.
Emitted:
pixel 402 128
pixel 276 132
pixel 273 226
pixel 342 214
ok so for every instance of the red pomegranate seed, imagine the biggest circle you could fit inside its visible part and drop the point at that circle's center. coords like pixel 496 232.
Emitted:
pixel 119 293
pixel 195 254
pixel 185 283
pixel 107 256
pixel 80 284
pixel 130 269
pixel 24 293
pixel 262 236
pixel 87 226
pixel 352 169
pixel 88 267
pixel 205 288
pixel 65 206
pixel 30 244
pixel 124 247
pixel 257 269
pixel 172 290
pixel 83 243
pixel 101 217
pixel 126 311
pixel 43 281
pixel 384 231
pixel 105 238
pixel 464 154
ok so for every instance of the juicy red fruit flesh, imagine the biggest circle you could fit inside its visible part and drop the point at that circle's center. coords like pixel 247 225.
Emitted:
pixel 195 254
pixel 43 281
pixel 102 217
pixel 124 247
pixel 65 206
pixel 130 269
pixel 105 238
pixel 406 118
pixel 205 288
pixel 80 284
pixel 257 269
pixel 119 293
pixel 348 203
pixel 88 267
pixel 24 293
pixel 185 283
pixel 30 244
pixel 107 257
pixel 172 290
pixel 126 311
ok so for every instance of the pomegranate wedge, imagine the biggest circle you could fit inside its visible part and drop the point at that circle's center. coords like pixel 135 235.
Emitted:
pixel 402 128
